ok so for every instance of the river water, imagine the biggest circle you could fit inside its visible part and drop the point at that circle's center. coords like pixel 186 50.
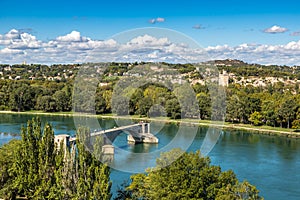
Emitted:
pixel 270 163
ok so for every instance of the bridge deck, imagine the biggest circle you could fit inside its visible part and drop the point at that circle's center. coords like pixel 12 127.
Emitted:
pixel 122 128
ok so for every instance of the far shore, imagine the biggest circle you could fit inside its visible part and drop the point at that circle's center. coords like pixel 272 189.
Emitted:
pixel 218 124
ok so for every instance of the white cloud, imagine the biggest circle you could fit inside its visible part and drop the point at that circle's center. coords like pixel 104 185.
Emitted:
pixel 158 19
pixel 15 39
pixel 148 41
pixel 26 41
pixel 74 36
pixel 288 54
pixel 12 34
pixel 276 29
pixel 10 51
pixel 73 48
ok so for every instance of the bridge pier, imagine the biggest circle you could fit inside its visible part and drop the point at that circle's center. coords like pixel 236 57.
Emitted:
pixel 108 152
pixel 146 138
pixel 143 137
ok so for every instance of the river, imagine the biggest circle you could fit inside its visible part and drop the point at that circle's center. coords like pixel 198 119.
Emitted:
pixel 271 163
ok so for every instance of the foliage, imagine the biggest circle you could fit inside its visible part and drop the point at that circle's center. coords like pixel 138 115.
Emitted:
pixel 190 176
pixel 7 153
pixel 35 168
pixel 256 118
pixel 275 109
pixel 296 124
pixel 278 102
pixel 204 105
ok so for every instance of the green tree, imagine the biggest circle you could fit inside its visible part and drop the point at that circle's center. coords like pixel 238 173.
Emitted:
pixel 187 99
pixel 28 168
pixel 107 95
pixel 173 109
pixel 234 109
pixel 188 176
pixel 34 168
pixel 46 103
pixel 144 106
pixel 296 124
pixel 256 118
pixel 218 102
pixel 62 101
pixel 239 191
pixel 287 110
pixel 22 97
pixel 7 159
pixel 204 105
pixel 120 105
pixel 92 176
pixel 100 104
pixel 269 111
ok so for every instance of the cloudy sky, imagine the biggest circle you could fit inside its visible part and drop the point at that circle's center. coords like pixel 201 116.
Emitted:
pixel 266 32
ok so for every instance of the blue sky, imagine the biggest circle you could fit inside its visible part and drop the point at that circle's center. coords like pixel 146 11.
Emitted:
pixel 210 23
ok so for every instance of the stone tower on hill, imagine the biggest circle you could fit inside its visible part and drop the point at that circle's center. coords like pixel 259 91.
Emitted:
pixel 224 78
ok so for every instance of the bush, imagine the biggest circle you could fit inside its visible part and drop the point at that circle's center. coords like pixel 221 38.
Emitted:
pixel 296 124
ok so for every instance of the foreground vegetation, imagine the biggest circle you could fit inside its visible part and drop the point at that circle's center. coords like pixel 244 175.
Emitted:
pixel 181 175
pixel 35 168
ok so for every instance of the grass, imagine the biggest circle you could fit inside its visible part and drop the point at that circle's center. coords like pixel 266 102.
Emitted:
pixel 226 125
pixel 264 127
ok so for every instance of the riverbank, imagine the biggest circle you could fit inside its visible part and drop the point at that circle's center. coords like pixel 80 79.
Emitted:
pixel 218 124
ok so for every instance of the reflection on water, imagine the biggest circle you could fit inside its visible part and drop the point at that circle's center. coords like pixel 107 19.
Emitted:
pixel 269 162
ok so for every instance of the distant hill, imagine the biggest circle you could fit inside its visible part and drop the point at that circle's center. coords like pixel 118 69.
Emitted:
pixel 243 69
pixel 235 68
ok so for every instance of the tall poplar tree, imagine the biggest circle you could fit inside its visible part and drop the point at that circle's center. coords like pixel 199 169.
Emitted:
pixel 38 169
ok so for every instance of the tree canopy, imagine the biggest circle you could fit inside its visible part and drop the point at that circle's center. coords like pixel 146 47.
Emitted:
pixel 35 168
pixel 274 100
pixel 188 177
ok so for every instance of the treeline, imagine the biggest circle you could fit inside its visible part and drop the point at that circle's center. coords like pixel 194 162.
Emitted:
pixel 275 105
pixel 38 71
pixel 37 168
pixel 23 95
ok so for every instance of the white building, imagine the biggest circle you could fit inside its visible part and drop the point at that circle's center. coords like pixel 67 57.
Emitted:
pixel 224 78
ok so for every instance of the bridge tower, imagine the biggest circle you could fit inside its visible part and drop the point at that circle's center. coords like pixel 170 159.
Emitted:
pixel 143 136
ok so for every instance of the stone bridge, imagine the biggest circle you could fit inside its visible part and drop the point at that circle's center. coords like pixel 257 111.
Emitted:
pixel 136 133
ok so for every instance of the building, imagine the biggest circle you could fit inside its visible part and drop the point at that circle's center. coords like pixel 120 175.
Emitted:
pixel 62 139
pixel 224 78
